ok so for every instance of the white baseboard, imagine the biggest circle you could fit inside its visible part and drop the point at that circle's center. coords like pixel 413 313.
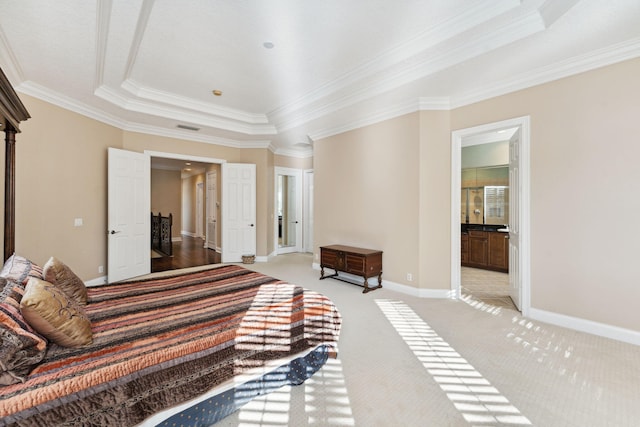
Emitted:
pixel 188 233
pixel 176 239
pixel 398 287
pixel 575 323
pixel 97 281
pixel 588 326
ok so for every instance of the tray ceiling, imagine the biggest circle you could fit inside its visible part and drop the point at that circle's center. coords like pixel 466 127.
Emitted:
pixel 333 65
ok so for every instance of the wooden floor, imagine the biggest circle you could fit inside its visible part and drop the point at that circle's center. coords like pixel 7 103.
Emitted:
pixel 187 253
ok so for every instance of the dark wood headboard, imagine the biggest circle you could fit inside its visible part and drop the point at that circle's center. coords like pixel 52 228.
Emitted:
pixel 12 112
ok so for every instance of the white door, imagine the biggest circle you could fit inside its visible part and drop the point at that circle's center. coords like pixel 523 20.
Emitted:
pixel 515 276
pixel 238 211
pixel 212 202
pixel 129 214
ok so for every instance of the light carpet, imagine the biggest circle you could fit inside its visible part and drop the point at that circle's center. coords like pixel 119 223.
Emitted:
pixel 407 361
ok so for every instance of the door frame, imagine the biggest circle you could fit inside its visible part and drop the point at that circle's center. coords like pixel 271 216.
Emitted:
pixel 211 179
pixel 297 173
pixel 307 210
pixel 200 205
pixel 457 137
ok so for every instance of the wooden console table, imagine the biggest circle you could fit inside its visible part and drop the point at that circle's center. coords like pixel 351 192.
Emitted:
pixel 360 262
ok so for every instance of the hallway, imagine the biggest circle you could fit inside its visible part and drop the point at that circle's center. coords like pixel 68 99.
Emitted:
pixel 190 252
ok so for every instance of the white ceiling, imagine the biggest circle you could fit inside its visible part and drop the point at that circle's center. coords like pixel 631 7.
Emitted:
pixel 149 66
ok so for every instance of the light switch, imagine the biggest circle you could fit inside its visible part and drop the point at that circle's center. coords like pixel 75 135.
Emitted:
pixel 77 222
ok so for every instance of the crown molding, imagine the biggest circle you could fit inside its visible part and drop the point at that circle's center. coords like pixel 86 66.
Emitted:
pixel 392 111
pixel 37 91
pixel 607 56
pixel 137 90
pixel 108 94
pixel 103 19
pixel 300 154
pixel 419 66
pixel 473 16
pixel 62 101
pixel 627 50
pixel 194 137
pixel 11 66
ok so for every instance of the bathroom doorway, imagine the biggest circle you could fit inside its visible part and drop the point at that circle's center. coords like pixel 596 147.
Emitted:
pixel 518 226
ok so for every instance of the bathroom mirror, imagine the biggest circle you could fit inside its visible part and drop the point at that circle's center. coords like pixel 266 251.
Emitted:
pixel 496 204
pixel 485 195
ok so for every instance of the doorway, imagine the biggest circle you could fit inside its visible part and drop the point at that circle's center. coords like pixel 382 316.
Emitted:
pixel 199 210
pixel 211 240
pixel 288 210
pixel 197 243
pixel 307 213
pixel 519 250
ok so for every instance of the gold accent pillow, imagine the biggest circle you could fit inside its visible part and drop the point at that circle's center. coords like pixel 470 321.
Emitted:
pixel 54 314
pixel 58 273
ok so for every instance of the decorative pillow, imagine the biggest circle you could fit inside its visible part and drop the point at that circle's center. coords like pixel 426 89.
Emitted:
pixel 54 314
pixel 21 348
pixel 18 269
pixel 57 272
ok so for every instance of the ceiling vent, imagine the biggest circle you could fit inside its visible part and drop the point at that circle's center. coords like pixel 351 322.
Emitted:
pixel 187 127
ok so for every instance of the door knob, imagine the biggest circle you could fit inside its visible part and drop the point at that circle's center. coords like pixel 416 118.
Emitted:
pixel 113 232
pixel 250 225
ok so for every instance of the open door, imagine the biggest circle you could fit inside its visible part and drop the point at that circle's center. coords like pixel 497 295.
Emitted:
pixel 129 214
pixel 515 276
pixel 238 211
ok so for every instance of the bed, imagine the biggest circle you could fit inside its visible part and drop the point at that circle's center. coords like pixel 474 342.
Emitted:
pixel 185 348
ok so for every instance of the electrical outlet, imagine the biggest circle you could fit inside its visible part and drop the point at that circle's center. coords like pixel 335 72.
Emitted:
pixel 100 269
pixel 409 277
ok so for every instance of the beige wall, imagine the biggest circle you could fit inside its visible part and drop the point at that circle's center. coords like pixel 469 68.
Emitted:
pixel 166 195
pixel 366 191
pixel 584 190
pixel 387 186
pixel 61 174
pixel 584 180
pixel 434 262
pixel 293 162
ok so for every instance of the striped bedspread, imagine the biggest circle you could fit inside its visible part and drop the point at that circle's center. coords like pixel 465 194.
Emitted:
pixel 161 341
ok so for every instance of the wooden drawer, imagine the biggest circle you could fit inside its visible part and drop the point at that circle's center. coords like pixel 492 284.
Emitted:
pixel 329 258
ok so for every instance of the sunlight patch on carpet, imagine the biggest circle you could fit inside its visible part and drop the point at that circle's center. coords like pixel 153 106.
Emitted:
pixel 472 395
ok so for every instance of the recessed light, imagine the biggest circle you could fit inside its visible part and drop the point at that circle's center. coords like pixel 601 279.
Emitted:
pixel 268 45
pixel 217 92
pixel 188 164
